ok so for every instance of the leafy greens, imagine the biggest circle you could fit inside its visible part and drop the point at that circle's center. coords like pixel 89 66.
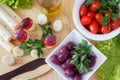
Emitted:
pixel 17 3
pixel 30 44
pixel 79 58
pixel 111 68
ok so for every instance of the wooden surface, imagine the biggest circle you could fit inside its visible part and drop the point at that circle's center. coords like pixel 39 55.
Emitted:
pixel 65 16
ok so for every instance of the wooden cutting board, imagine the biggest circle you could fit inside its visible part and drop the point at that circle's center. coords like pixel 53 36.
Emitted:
pixel 66 17
pixel 32 13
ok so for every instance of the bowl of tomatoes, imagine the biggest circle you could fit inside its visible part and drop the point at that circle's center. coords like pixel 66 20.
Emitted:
pixel 97 20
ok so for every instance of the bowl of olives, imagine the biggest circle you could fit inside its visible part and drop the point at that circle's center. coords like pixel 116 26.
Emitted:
pixel 75 58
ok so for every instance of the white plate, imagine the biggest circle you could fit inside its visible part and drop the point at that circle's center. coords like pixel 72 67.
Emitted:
pixel 84 31
pixel 75 37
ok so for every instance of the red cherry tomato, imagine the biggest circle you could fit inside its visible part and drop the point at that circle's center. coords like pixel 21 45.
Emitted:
pixel 49 44
pixel 118 20
pixel 109 15
pixel 83 11
pixel 111 6
pixel 96 5
pixel 91 14
pixel 105 29
pixel 86 20
pixel 93 27
pixel 26 23
pixel 99 30
pixel 23 38
pixel 98 17
pixel 114 24
pixel 29 26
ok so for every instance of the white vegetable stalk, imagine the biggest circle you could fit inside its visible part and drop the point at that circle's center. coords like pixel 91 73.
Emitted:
pixel 3 22
pixel 12 13
pixel 8 19
pixel 6 45
pixel 4 33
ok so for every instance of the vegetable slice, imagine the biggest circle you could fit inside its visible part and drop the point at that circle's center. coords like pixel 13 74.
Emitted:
pixel 50 40
pixel 57 26
pixel 26 23
pixel 23 38
pixel 8 60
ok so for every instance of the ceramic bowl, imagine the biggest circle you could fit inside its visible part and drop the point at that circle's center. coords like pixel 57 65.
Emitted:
pixel 84 31
pixel 76 37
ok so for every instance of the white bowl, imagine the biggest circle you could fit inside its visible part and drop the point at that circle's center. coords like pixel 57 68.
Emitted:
pixel 75 37
pixel 84 31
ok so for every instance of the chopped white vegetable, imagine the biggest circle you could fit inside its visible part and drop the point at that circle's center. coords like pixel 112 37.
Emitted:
pixel 42 19
pixel 8 19
pixel 6 45
pixel 32 27
pixel 57 26
pixel 12 13
pixel 8 60
pixel 34 53
pixel 4 33
pixel 17 51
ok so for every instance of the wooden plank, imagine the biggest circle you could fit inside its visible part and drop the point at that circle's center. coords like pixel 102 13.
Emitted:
pixel 65 16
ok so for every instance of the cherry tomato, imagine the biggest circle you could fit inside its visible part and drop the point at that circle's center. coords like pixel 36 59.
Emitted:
pixel 96 5
pixel 111 6
pixel 109 15
pixel 118 20
pixel 83 10
pixel 91 14
pixel 93 27
pixel 98 17
pixel 23 38
pixel 26 23
pixel 86 20
pixel 49 44
pixel 50 40
pixel 105 29
pixel 99 30
pixel 114 24
pixel 29 26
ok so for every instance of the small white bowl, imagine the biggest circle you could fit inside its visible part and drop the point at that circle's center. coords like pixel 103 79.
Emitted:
pixel 84 31
pixel 75 37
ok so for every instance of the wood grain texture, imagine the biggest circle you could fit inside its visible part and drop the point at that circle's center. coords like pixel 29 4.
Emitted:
pixel 65 16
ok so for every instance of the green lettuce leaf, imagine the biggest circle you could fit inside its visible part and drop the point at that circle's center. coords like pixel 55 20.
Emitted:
pixel 17 3
pixel 117 72
pixel 111 49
